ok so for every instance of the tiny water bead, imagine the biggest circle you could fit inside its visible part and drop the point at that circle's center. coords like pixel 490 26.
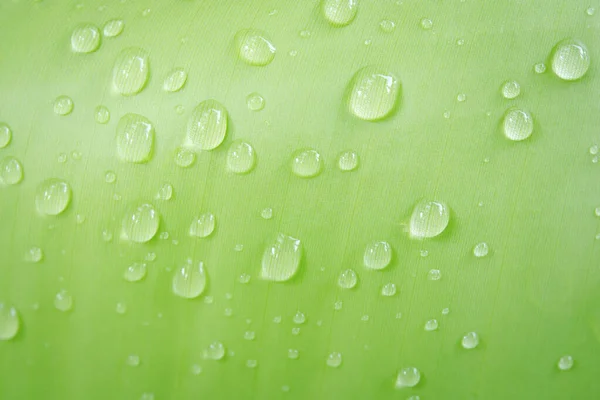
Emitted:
pixel 255 102
pixel 570 59
pixel 293 354
pixel 165 192
pixel 266 213
pixel 340 12
pixel 110 177
pixel 590 11
pixel 255 47
pixel 594 149
pixel 461 97
pixel 202 226
pixel 121 308
pixel 131 71
pixel 240 157
pixel 281 258
pixel 251 363
pixel 470 340
pixel 429 219
pixel 426 24
pixel 387 26
pixel 85 38
pixel 481 249
pixel 52 196
pixel 9 322
pixel 431 325
pixel 101 115
pixel 184 158
pixel 377 255
pixel 135 138
pixel 63 105
pixel 147 396
pixel 445 311
pixel 63 301
pixel 334 360
pixel 597 211
pixel 244 278
pixel 11 171
pixel 434 275
pixel 388 290
pixel 338 305
pixel 175 80
pixel 34 255
pixel 196 369
pixel 517 124
pixel 539 68
pixel 373 94
pixel 565 363
pixel 207 126
pixel 5 135
pixel 511 89
pixel 135 272
pixel 299 318
pixel 189 280
pixel 408 377
pixel 348 161
pixel 133 360
pixel 249 335
pixel 140 223
pixel 113 28
pixel 306 163
pixel 347 279
pixel 215 351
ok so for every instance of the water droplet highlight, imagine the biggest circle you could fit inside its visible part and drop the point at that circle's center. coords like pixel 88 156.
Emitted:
pixel 175 80
pixel 426 24
pixel 267 213
pixel 52 196
pixel 135 272
pixel 215 351
pixel 184 158
pixel 340 12
pixel 133 360
pixel 240 157
pixel 373 94
pixel 113 28
pixel 334 360
pixel 281 259
pixel 255 47
pixel 431 325
pixel 429 219
pixel 408 377
pixel 202 226
pixel 348 161
pixel 511 89
pixel 481 249
pixel 9 322
pixel 11 171
pixel 249 335
pixel 517 124
pixel 293 354
pixel 570 59
pixel 131 71
pixel 189 280
pixel 207 126
pixel 165 192
pixel 565 363
pixel 306 163
pixel 539 68
pixel 388 290
pixel 377 255
pixel 299 318
pixel 85 39
pixel 470 340
pixel 255 102
pixel 135 138
pixel 63 105
pixel 347 279
pixel 63 301
pixel 101 115
pixel 434 275
pixel 34 255
pixel 387 26
pixel 140 223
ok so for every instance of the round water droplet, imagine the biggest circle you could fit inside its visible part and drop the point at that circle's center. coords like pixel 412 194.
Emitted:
pixel 565 363
pixel 373 94
pixel 511 89
pixel 240 157
pixel 408 377
pixel 481 249
pixel 470 340
pixel 306 163
pixel 334 359
pixel 189 280
pixel 594 149
pixel 348 161
pixel 184 158
pixel 102 115
pixel 281 258
pixel 255 102
pixel 165 192
pixel 461 97
pixel 249 335
pixel 5 135
pixel 52 196
pixel 113 28
pixel 429 219
pixel 34 255
pixel 299 318
pixel 338 305
pixel 340 12
pixel 9 322
pixel 518 124
pixel 434 275
pixel 11 171
pixel 140 223
pixel 175 80
pixel 387 26
pixel 570 59
pixel 215 351
pixel 539 68
pixel 85 39
pixel 377 255
pixel 63 105
pixel 293 354
pixel 133 360
pixel 590 11
pixel 202 226
pixel 254 47
pixel 110 177
pixel 196 369
pixel 135 272
pixel 426 24
pixel 267 213
pixel 431 325
pixel 135 138
pixel 348 279
pixel 63 301
pixel 388 290
pixel 207 126
pixel 131 71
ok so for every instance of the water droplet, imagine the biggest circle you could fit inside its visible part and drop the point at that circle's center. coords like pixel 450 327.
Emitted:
pixel 135 138
pixel 249 335
pixel 9 322
pixel 62 158
pixel 52 196
pixel 107 235
pixel 424 253
pixel 281 258
pixel 597 211
pixel 63 105
pixel 267 213
pixel 445 311
pixel 110 177
pixel 251 363
pixel 244 278
pixel 348 161
pixel 373 94
pixel 340 12
pixel 299 318
pixel 196 369
pixel 133 360
pixel 175 80
pixel 215 351
pixel 348 279
pixel 518 124
pixel 165 192
pixel 11 171
pixel 189 280
pixel 76 155
pixel 389 289
pixel 85 39
pixel 255 102
pixel 565 363
pixel 113 28
pixel 511 89
pixel 461 97
pixel 470 340
pixel 202 226
pixel 590 11
pixel 364 318
pixel 334 360
pixel 254 47
pixel 131 71
pixel 426 24
pixel 387 26
pixel 63 301
pixel 539 68
pixel 147 396
pixel 434 275
pixel 184 158
pixel 415 397
pixel 293 354
pixel 408 377
pixel 306 163
pixel 429 219
pixel 460 42
pixel 135 272
pixel 481 249
pixel 285 388
pixel 140 223
pixel 240 157
pixel 398 315
pixel 102 115
pixel 431 325
pixel 377 255
pixel 5 135
pixel 207 126
pixel 570 59
pixel 34 255
pixel 277 319
pixel 146 12
pixel 338 305
pixel 594 149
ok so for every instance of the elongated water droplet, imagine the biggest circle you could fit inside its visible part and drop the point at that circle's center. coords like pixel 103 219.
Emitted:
pixel 431 325
pixel 11 171
pixel 140 223
pixel 281 259
pixel 481 249
pixel 202 226
pixel 131 71
pixel 408 377
pixel 388 290
pixel 63 105
pixel 207 126
pixel 334 359
pixel 175 80
pixel 113 28
pixel 189 280
pixel 565 363
pixel 240 157
pixel 165 192
pixel 254 47
pixel 373 94
pixel 377 255
pixel 340 12
pixel 215 351
pixel 570 59
pixel 470 340
pixel 184 158
pixel 306 163
pixel 255 102
pixel 9 322
pixel 85 39
pixel 101 115
pixel 52 196
pixel 5 135
pixel 348 161
pixel 429 219
pixel 347 279
pixel 511 89
pixel 517 124
pixel 63 301
pixel 135 272
pixel 135 138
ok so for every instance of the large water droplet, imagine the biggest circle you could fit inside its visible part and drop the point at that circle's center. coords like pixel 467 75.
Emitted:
pixel 281 259
pixel 334 359
pixel 202 226
pixel 306 163
pixel 11 171
pixel 52 196
pixel 377 255
pixel 175 80
pixel 570 59
pixel 348 161
pixel 5 135
pixel 9 322
pixel 63 105
pixel 408 377
pixel 511 89
pixel 215 351
pixel 565 363
pixel 240 157
pixel 135 138
pixel 340 12
pixel 517 124
pixel 85 39
pixel 254 47
pixel 131 71
pixel 140 223
pixel 63 301
pixel 113 28
pixel 207 126
pixel 135 272
pixel 189 280
pixel 429 219
pixel 347 279
pixel 470 340
pixel 373 94
pixel 102 114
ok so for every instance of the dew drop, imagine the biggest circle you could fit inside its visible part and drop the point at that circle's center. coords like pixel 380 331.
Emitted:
pixel 215 351
pixel 338 305
pixel 594 149
pixel 431 325
pixel 461 97
pixel 196 369
pixel 348 161
pixel 340 12
pixel 131 71
pixel 251 363
pixel 34 255
pixel 52 196
pixel 254 47
pixel 590 11
pixel 388 290
pixel 434 275
pixel 135 272
pixel 165 192
pixel 445 311
pixel 387 26
pixel 408 377
pixel 293 354
pixel 135 138
pixel 281 258
pixel 140 223
pixel 373 94
pixel 147 396
pixel 348 279
pixel 518 124
pixel 565 363
pixel 511 89
pixel 63 105
pixel 267 213
pixel 63 301
pixel 102 115
pixel 334 359
pixel 110 177
pixel 306 163
pixel 255 102
pixel 189 280
pixel 202 226
pixel 11 171
pixel 9 322
pixel 207 126
pixel 539 68
pixel 5 135
pixel 133 360
pixel 184 158
pixel 481 249
pixel 240 157
pixel 570 59
pixel 175 80
pixel 121 308
pixel 426 24
pixel 244 278
pixel 429 219
pixel 85 39
pixel 299 318
pixel 377 255
pixel 470 340
pixel 113 28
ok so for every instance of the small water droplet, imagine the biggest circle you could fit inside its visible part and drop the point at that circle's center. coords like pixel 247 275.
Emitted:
pixel 461 97
pixel 293 53
pixel 5 135
pixel 121 308
pixel 293 354
pixel 140 223
pixel 340 12
pixel 110 177
pixel 251 363
pixel 306 163
pixel 175 80
pixel 539 68
pixel 240 157
pixel 101 114
pixel 11 171
pixel 460 42
pixel 518 124
pixel 215 351
pixel 150 256
pixel 255 47
pixel 570 59
pixel 481 249
pixel 267 213
pixel 299 318
pixel 445 311
pixel 189 280
pixel 277 319
pixel 165 192
pixel 408 377
pixel 447 114
pixel 565 363
pixel 133 360
pixel 429 219
pixel 113 28
pixel 34 255
pixel 249 335
pixel 387 26
pixel 373 94
pixel 434 275
pixel 238 247
pixel 135 272
pixel 511 89
pixel 470 340
pixel 431 325
pixel 207 126
pixel 184 158
pixel 146 12
pixel 334 359
pixel 285 388
pixel 388 290
pixel 255 102
pixel 424 253
pixel 85 39
pixel 590 11
pixel 202 226
pixel 347 279
pixel 398 315
pixel 338 305
pixel 426 24
pixel 131 71
pixel 377 255
pixel 196 369
pixel 305 33
pixel 281 258
pixel 63 301
pixel 62 158
pixel 364 318
pixel 107 235
pixel 295 331
pixel 52 196
pixel 63 105
pixel 348 161
pixel 179 109
pixel 208 300
pixel 594 149
pixel 9 322
pixel 147 396
pixel 135 138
